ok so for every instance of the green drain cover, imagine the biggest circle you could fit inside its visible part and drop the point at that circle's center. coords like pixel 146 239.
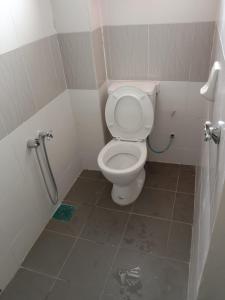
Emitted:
pixel 64 213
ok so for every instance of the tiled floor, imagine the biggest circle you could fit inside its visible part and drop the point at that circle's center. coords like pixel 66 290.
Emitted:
pixel 81 259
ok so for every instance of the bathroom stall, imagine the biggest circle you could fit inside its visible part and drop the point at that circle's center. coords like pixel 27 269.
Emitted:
pixel 60 60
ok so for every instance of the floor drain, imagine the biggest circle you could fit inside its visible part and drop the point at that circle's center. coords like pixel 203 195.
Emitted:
pixel 64 213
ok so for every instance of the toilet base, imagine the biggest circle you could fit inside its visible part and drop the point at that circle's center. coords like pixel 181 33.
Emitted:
pixel 125 195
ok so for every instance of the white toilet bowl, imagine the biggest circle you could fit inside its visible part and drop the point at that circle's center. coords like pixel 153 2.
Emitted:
pixel 129 116
pixel 122 163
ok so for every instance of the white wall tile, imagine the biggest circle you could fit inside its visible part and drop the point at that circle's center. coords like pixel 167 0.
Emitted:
pixel 63 149
pixel 24 21
pixel 178 109
pixel 23 194
pixel 119 12
pixel 221 22
pixel 71 16
pixel 33 20
pixel 88 114
pixel 8 35
pixel 211 178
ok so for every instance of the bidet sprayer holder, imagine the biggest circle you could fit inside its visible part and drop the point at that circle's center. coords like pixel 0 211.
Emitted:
pixel 46 134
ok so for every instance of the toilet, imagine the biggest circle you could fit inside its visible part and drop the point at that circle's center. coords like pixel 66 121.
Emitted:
pixel 129 115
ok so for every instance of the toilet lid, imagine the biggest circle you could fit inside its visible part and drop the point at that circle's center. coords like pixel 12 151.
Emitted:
pixel 129 114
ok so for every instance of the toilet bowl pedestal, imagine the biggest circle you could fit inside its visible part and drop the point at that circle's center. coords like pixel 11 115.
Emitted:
pixel 125 195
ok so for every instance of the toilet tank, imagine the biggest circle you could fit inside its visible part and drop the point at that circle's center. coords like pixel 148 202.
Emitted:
pixel 151 88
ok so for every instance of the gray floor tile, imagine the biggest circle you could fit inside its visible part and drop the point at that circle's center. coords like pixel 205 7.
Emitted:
pixel 160 279
pixel 107 202
pixel 187 168
pixel 91 174
pixel 86 191
pixel 105 226
pixel 27 285
pixel 155 203
pixel 75 225
pixel 184 208
pixel 161 175
pixel 186 183
pixel 179 243
pixel 146 234
pixel 85 271
pixel 49 253
pixel 63 290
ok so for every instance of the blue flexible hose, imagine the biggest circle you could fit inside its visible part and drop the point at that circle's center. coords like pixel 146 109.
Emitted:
pixel 163 150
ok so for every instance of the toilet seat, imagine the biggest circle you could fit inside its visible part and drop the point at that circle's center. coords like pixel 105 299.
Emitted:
pixel 122 157
pixel 129 114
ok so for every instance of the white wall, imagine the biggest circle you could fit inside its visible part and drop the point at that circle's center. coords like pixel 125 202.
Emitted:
pixel 221 22
pixel 128 12
pixel 76 16
pixel 24 21
pixel 209 202
pixel 24 205
pixel 87 108
pixel 179 110
pixel 82 16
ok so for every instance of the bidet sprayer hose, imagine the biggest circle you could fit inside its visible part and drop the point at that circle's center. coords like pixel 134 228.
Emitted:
pixel 172 136
pixel 54 199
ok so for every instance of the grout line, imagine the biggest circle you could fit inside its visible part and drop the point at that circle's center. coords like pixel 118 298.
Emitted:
pixel 167 190
pixel 97 243
pixel 65 261
pixel 156 255
pixel 171 223
pixel 41 273
pixel 61 233
pixel 160 218
pixel 114 209
pixel 132 212
pixel 115 256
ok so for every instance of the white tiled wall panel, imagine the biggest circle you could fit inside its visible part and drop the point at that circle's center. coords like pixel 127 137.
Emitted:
pixel 119 12
pixel 221 22
pixel 71 16
pixel 33 20
pixel 211 180
pixel 24 204
pixel 179 109
pixel 87 108
pixel 77 16
pixel 24 21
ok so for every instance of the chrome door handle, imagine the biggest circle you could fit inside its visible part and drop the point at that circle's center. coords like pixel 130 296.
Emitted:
pixel 212 132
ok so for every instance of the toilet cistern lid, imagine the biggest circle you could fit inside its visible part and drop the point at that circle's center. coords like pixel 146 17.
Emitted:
pixel 129 114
